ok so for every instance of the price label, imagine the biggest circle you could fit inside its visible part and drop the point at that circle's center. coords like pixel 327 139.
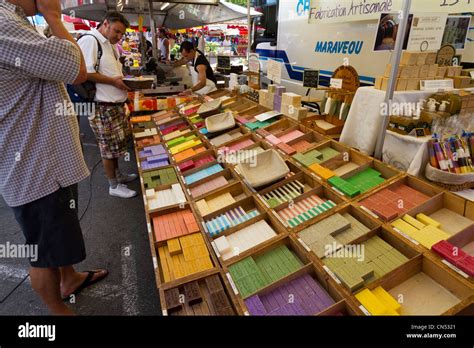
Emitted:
pixel 336 83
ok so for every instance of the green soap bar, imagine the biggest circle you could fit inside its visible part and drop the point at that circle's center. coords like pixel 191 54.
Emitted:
pixel 176 141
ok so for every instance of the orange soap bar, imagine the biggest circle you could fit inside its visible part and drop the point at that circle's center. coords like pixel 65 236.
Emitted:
pixel 321 171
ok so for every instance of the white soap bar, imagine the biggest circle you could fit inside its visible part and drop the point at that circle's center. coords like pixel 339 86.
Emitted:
pixel 222 245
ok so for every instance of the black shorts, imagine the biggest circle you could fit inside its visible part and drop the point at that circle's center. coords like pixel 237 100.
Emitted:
pixel 52 224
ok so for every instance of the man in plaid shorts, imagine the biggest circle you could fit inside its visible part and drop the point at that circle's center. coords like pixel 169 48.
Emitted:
pixel 109 122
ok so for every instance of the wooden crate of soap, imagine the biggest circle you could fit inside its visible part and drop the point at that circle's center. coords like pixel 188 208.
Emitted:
pixel 346 162
pixel 247 154
pixel 324 124
pixel 312 294
pixel 208 169
pixel 457 251
pixel 307 141
pixel 201 297
pixel 280 126
pixel 213 182
pixel 220 199
pixel 301 211
pixel 242 239
pixel 427 288
pixel 398 197
pixel 367 259
pixel 347 224
pixel 195 157
pixel 320 154
pixel 272 264
pixel 240 143
pixel 361 181
pixel 287 190
pixel 229 136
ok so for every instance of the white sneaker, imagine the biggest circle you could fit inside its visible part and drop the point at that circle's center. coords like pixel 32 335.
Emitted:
pixel 122 191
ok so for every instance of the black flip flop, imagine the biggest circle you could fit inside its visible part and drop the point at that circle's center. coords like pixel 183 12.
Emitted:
pixel 86 283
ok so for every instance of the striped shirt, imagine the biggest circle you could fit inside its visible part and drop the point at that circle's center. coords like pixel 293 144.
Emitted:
pixel 40 150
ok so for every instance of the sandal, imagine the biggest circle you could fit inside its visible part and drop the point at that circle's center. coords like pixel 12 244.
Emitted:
pixel 86 283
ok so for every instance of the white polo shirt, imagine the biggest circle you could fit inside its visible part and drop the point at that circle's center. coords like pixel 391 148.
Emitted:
pixel 109 66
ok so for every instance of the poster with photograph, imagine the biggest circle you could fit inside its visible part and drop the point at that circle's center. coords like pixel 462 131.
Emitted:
pixel 387 31
pixel 457 28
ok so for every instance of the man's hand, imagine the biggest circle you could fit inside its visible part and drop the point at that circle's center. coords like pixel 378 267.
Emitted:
pixel 117 82
pixel 50 9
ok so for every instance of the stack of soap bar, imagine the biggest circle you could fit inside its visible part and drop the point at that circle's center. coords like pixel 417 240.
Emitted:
pixel 208 206
pixel 229 219
pixel 165 198
pixel 259 124
pixel 272 139
pixel 140 119
pixel 192 178
pixel 240 145
pixel 184 256
pixel 191 164
pixel 315 156
pixel 224 138
pixel 284 193
pixel 208 186
pixel 297 113
pixel 321 171
pixel 356 265
pixel 154 150
pixel 301 145
pixel 144 125
pixel 155 178
pixel 456 256
pixel 378 302
pixel 158 157
pixel 174 225
pixel 180 140
pixel 305 210
pixel 423 229
pixel 286 148
pixel 244 239
pixel 154 140
pixel 188 153
pixel 255 272
pixel 344 186
pixel 185 145
pixel 366 179
pixel 331 233
pixel 391 202
pixel 175 134
pixel 291 99
pixel 309 298
pixel 290 136
pixel 145 133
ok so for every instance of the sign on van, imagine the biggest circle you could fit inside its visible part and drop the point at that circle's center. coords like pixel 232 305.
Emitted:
pixel 332 11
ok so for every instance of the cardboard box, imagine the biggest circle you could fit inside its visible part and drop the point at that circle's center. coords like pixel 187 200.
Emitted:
pixel 462 81
pixel 409 58
pixel 290 99
pixel 421 58
pixel 431 58
pixel 442 72
pixel 424 71
pixel 413 85
pixel 378 83
pixel 401 85
pixel 433 70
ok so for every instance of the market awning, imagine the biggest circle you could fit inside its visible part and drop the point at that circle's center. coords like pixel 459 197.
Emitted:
pixel 170 15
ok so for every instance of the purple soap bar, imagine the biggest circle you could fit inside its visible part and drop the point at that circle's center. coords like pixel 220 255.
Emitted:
pixel 255 306
pixel 280 90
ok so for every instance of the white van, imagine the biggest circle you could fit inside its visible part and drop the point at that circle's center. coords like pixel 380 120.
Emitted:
pixel 301 45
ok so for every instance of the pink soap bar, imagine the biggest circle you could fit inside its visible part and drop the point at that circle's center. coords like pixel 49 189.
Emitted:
pixel 242 119
pixel 291 136
pixel 273 139
pixel 186 166
pixel 241 145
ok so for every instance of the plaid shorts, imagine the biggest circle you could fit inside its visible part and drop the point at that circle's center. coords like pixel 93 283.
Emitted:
pixel 111 129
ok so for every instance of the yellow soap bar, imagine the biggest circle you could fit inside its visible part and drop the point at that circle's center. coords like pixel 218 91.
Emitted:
pixel 427 220
pixel 369 301
pixel 414 222
pixel 405 227
pixel 203 207
pixel 173 246
pixel 386 299
pixel 431 235
pixel 164 264
pixel 321 171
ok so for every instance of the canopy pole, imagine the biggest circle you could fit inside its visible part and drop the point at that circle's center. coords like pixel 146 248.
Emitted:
pixel 395 61
pixel 249 29
pixel 153 28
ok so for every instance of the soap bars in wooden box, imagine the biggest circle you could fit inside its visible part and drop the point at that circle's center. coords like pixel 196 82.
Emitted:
pixel 358 183
pixel 378 302
pixel 242 240
pixel 192 178
pixel 255 272
pixel 305 209
pixel 284 193
pixel 155 178
pixel 176 224
pixel 423 229
pixel 184 256
pixel 309 298
pixel 165 198
pixel 231 218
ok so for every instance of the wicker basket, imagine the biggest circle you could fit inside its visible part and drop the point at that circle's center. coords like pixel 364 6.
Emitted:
pixel 449 181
